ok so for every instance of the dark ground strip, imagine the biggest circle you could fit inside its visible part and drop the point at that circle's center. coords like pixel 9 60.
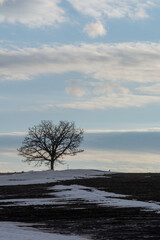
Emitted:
pixel 79 217
pixel 96 222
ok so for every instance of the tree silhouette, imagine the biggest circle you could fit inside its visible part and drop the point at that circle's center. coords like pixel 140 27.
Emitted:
pixel 48 143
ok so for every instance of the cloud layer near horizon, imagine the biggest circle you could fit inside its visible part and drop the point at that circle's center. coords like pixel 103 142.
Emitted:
pixel 118 151
pixel 145 140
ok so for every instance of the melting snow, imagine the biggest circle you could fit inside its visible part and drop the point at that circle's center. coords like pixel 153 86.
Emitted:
pixel 19 231
pixel 62 196
pixel 102 198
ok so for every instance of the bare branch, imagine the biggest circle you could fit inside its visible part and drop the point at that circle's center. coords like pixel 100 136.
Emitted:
pixel 47 142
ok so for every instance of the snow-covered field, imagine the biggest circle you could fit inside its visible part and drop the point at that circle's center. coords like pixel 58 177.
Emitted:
pixel 102 198
pixel 18 231
pixel 61 195
pixel 49 176
pixel 65 194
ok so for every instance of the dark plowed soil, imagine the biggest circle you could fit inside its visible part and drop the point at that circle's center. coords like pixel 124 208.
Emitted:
pixel 88 219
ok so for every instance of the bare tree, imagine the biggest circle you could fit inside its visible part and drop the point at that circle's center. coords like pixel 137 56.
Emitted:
pixel 48 143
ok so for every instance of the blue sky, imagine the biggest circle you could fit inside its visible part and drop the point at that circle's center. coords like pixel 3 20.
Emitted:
pixel 95 62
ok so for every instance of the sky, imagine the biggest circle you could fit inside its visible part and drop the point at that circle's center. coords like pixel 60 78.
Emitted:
pixel 95 62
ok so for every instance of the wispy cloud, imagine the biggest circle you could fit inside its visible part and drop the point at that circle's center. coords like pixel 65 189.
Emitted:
pixel 8 152
pixel 34 13
pixel 152 89
pixel 119 161
pixel 109 87
pixel 142 130
pixel 38 13
pixel 112 101
pixel 135 9
pixel 102 10
pixel 11 134
pixel 107 66
pixel 137 62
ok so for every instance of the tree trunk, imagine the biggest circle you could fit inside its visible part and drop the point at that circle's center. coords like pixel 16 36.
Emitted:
pixel 52 164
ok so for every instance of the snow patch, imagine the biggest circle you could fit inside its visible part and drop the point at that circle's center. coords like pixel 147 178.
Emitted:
pixel 64 194
pixel 19 231
pixel 40 177
pixel 102 198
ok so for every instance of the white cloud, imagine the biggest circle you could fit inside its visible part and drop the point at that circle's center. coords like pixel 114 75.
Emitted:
pixel 9 152
pixel 112 101
pixel 111 65
pixel 75 89
pixel 37 13
pixel 124 62
pixel 119 156
pixel 95 29
pixel 122 161
pixel 34 13
pixel 109 87
pixel 135 9
pixel 142 130
pixel 153 90
pixel 13 134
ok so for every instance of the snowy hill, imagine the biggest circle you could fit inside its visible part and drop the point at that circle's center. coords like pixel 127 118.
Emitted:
pixel 37 177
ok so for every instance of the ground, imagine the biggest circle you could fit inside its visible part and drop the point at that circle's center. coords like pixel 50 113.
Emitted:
pixel 87 206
